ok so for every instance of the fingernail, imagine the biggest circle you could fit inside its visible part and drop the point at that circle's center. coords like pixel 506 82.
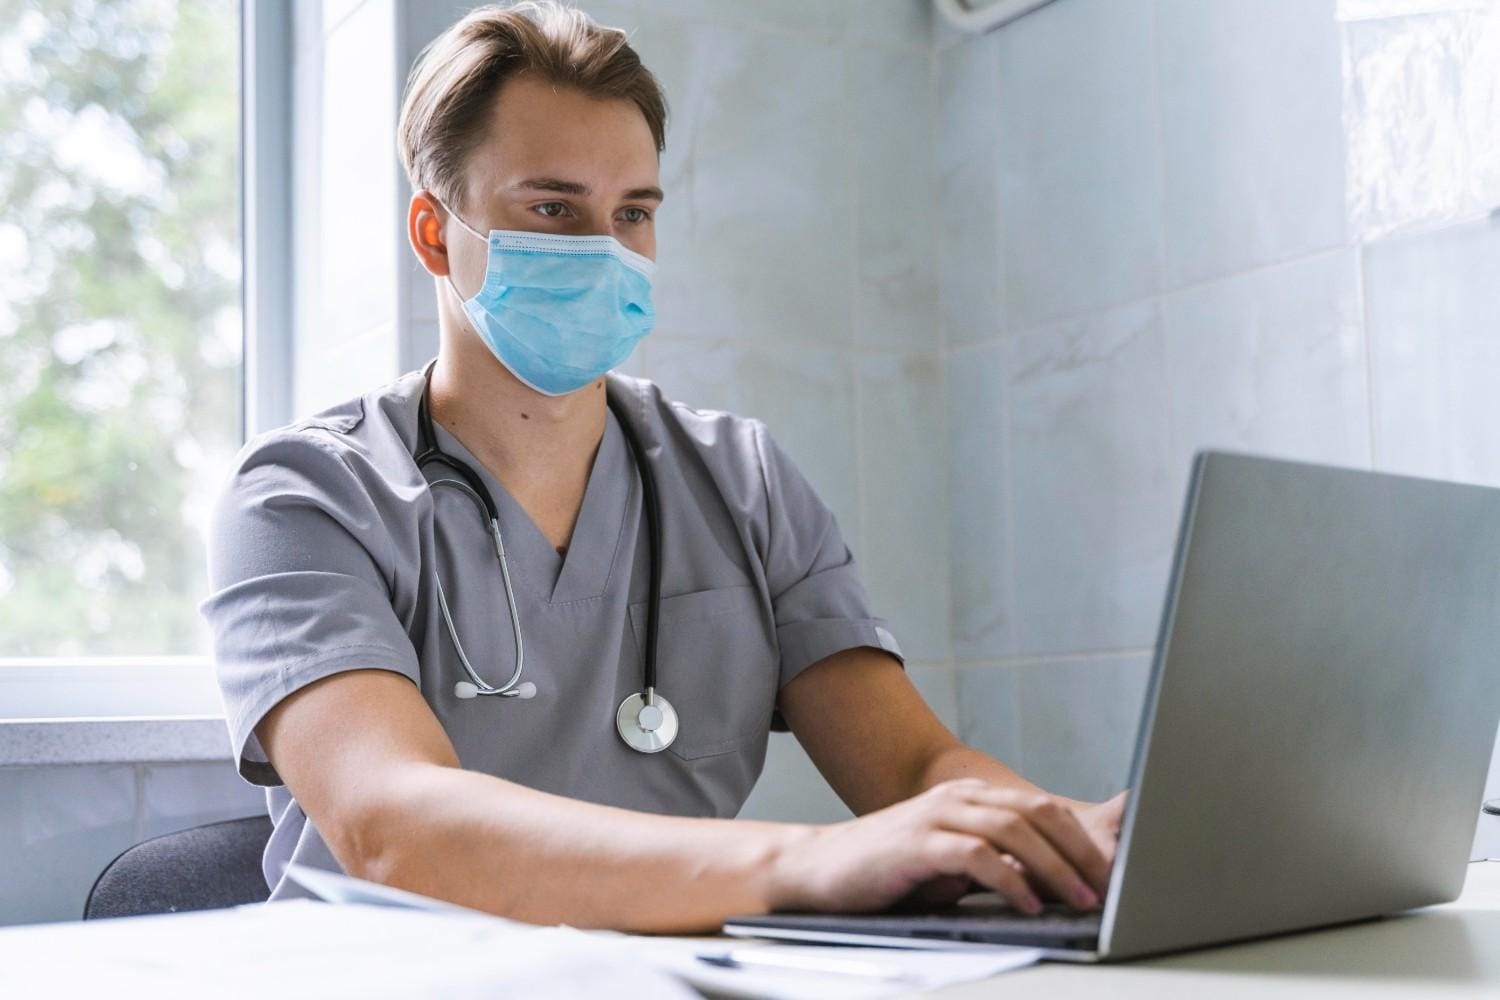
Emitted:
pixel 1031 905
pixel 1084 897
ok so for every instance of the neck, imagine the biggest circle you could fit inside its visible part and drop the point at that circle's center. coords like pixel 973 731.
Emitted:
pixel 535 445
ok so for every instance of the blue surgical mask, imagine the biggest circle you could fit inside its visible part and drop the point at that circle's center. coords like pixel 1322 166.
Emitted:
pixel 560 311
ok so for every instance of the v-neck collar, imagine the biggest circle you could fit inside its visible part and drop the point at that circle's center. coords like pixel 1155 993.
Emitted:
pixel 584 573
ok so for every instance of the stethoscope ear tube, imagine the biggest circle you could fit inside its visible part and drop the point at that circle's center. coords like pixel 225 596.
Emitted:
pixel 653 541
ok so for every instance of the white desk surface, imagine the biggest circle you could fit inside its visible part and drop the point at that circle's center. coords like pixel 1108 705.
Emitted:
pixel 1451 950
pixel 1442 951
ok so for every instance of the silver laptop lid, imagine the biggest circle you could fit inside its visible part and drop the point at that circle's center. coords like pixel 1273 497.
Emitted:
pixel 1323 701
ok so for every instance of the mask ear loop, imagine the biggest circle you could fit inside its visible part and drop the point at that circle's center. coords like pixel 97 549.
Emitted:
pixel 472 232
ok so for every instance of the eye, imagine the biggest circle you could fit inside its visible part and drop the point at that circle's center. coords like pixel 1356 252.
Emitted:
pixel 635 214
pixel 552 209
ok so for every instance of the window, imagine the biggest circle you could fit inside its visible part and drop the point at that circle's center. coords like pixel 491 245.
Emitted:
pixel 121 388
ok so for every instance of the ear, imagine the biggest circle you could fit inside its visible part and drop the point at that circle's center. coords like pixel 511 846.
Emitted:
pixel 424 229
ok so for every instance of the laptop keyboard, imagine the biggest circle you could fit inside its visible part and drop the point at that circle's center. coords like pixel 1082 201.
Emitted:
pixel 1054 920
pixel 1056 926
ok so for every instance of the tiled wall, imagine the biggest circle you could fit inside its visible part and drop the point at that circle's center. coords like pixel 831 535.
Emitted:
pixel 1169 225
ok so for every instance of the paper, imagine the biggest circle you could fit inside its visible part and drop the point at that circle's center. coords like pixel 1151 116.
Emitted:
pixel 302 948
pixel 925 970
pixel 922 969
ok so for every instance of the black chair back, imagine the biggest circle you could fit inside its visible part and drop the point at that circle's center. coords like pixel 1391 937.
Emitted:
pixel 203 868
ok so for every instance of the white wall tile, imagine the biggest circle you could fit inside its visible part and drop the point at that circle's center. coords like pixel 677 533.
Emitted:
pixel 938 685
pixel 1420 95
pixel 822 19
pixel 1434 328
pixel 989 716
pixel 790 789
pixel 1272 361
pixel 978 515
pixel 805 396
pixel 677 53
pixel 968 253
pixel 903 481
pixel 1080 173
pixel 900 23
pixel 1079 721
pixel 178 796
pixel 60 826
pixel 614 13
pixel 895 296
pixel 1090 482
pixel 1068 725
pixel 772 212
pixel 1251 124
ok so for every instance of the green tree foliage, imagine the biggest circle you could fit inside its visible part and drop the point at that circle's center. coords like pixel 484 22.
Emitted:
pixel 120 385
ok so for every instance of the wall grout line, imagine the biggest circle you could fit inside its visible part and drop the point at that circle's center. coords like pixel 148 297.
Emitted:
pixel 930 166
pixel 856 246
pixel 1362 245
pixel 1083 316
pixel 1159 135
pixel 1010 582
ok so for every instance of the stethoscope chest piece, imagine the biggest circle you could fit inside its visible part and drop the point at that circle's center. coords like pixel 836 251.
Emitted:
pixel 647 728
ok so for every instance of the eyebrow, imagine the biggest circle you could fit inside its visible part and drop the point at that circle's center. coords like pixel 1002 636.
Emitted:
pixel 581 190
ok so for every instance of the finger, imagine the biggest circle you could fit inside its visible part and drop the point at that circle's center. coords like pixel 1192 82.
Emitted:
pixel 1057 823
pixel 963 854
pixel 1116 807
pixel 1014 832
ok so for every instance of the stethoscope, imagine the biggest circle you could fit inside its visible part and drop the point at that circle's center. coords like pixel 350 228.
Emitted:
pixel 646 721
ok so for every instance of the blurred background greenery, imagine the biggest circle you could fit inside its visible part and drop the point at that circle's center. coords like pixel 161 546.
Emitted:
pixel 120 328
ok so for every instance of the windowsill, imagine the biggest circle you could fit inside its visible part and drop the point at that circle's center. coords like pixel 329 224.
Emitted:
pixel 138 740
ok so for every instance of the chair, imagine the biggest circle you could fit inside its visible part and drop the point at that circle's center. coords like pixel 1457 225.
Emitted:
pixel 202 868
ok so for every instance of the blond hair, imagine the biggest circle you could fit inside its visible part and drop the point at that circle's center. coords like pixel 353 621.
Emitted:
pixel 452 85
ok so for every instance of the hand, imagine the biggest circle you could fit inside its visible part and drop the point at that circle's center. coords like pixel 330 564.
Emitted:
pixel 954 834
pixel 1102 823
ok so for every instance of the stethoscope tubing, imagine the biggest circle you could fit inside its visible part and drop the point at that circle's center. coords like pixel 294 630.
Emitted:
pixel 510 597
pixel 473 486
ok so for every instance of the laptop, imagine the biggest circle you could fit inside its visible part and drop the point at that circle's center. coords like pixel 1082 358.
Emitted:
pixel 1316 731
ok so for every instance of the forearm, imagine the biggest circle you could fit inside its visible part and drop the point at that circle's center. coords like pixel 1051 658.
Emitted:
pixel 961 761
pixel 493 845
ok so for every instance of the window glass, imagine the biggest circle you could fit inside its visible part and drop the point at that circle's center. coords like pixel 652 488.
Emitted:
pixel 120 332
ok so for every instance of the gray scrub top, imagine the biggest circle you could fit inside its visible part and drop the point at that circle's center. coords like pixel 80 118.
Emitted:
pixel 322 555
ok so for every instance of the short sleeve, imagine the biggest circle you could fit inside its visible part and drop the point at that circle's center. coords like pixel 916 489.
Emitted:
pixel 295 549
pixel 820 605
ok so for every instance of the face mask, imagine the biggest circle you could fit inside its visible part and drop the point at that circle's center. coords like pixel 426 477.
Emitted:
pixel 560 311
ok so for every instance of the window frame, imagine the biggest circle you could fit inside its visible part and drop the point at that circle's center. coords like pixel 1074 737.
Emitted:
pixel 76 692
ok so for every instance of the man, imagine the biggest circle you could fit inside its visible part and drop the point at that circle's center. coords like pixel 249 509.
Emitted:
pixel 380 567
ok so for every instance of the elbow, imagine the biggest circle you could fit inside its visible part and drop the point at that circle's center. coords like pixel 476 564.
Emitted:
pixel 378 836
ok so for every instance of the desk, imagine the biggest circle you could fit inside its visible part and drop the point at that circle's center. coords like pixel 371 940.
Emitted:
pixel 1449 950
pixel 323 951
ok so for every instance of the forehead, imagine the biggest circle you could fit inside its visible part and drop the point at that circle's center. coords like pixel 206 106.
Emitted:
pixel 537 129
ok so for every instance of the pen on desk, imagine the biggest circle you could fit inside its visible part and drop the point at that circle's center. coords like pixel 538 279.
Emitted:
pixel 779 958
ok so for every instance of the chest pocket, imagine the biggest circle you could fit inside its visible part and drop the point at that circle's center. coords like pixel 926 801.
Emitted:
pixel 716 663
